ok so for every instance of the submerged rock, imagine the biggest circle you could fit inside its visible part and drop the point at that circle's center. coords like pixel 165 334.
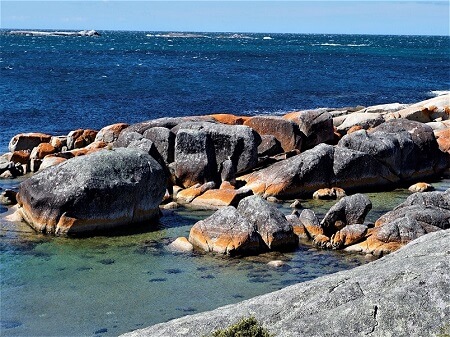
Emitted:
pixel 106 189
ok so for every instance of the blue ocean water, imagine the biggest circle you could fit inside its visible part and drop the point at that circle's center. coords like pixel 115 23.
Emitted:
pixel 104 286
pixel 57 84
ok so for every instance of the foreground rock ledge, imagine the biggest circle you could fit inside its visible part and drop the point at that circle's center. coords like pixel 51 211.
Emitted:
pixel 403 294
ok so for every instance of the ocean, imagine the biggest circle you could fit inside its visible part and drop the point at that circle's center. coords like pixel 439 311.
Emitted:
pixel 104 286
pixel 58 84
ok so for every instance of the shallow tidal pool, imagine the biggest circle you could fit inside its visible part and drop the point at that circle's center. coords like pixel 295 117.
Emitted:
pixel 108 285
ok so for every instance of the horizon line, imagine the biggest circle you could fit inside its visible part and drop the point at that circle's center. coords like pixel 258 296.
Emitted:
pixel 210 32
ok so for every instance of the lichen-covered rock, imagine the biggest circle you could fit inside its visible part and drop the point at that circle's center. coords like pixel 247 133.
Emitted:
pixel 348 235
pixel 349 210
pixel 182 245
pixel 216 198
pixel 27 141
pixel 226 232
pixel 421 187
pixel 420 214
pixel 329 193
pixel 285 131
pixel 316 125
pixel 296 176
pixel 42 150
pixel 426 111
pixel 51 160
pixel 20 157
pixel 443 139
pixel 80 138
pixel 229 119
pixel 271 224
pixel 312 225
pixel 106 189
pixel 189 194
pixel 110 133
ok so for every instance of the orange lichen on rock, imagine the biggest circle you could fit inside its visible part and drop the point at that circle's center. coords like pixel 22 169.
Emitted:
pixel 229 119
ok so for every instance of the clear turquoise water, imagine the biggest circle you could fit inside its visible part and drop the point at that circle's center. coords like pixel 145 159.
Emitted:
pixel 104 286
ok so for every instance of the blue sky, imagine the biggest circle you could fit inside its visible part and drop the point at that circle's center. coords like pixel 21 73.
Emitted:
pixel 338 17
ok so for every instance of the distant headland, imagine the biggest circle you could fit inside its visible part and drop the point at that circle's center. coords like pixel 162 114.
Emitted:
pixel 55 33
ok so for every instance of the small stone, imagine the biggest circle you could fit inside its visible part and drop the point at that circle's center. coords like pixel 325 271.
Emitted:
pixel 296 204
pixel 181 244
pixel 276 263
pixel 170 205
pixel 421 187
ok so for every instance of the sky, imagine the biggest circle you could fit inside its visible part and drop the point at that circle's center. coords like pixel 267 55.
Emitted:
pixel 323 17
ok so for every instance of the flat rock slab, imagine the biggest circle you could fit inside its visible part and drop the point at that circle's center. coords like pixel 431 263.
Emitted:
pixel 403 294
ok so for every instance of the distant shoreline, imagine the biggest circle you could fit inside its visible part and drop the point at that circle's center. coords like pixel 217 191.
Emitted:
pixel 55 33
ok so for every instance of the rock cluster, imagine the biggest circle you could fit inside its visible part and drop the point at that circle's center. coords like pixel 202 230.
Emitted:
pixel 218 160
pixel 253 227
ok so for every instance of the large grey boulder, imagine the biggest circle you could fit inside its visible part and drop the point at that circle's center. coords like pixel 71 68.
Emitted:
pixel 403 294
pixel 409 149
pixel 106 189
pixel 195 160
pixel 236 142
pixel 271 224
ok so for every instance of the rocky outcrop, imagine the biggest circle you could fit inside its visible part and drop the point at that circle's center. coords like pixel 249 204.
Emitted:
pixel 395 152
pixel 426 111
pixel 405 293
pixel 420 214
pixel 27 141
pixel 229 229
pixel 80 138
pixel 106 189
